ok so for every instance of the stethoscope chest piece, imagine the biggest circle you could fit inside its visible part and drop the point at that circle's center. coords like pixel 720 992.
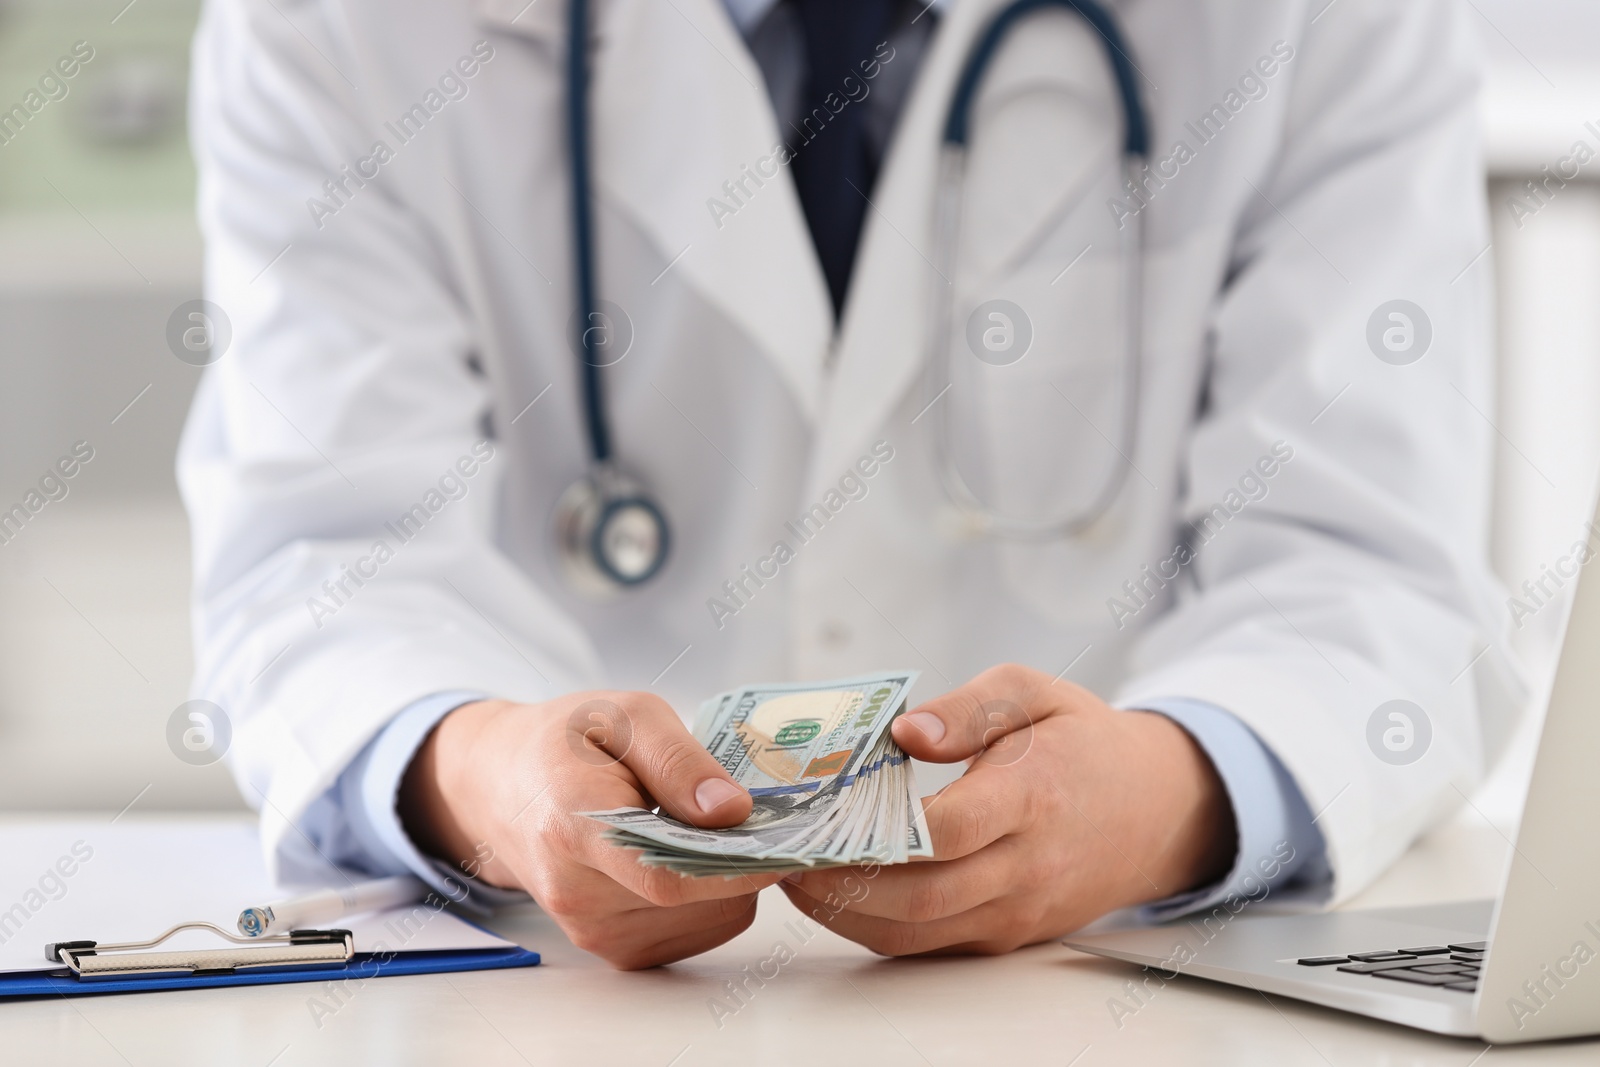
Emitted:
pixel 610 535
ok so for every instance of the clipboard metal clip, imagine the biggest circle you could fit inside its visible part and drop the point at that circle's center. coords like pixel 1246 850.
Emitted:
pixel 297 948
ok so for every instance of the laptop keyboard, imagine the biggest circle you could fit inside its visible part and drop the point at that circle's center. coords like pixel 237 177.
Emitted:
pixel 1445 966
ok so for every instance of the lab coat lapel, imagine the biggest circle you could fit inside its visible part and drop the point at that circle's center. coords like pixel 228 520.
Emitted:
pixel 544 19
pixel 681 127
pixel 884 337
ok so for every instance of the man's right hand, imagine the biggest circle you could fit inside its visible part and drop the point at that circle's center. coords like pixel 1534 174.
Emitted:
pixel 498 784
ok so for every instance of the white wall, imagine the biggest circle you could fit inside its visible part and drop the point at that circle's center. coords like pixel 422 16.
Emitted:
pixel 1543 90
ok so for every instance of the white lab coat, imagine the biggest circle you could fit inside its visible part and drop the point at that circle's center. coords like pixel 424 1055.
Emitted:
pixel 377 338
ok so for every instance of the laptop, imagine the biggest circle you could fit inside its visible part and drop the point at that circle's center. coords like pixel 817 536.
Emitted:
pixel 1525 967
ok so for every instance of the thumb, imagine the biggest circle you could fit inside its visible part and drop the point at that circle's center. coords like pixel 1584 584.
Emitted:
pixel 974 717
pixel 671 765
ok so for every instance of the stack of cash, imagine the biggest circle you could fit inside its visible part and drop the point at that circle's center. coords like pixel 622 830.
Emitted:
pixel 831 787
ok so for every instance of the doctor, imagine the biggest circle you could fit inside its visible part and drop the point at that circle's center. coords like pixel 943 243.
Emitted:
pixel 588 358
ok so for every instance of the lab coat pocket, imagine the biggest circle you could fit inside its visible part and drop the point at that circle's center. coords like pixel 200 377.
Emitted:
pixel 1035 418
pixel 1039 376
pixel 1039 417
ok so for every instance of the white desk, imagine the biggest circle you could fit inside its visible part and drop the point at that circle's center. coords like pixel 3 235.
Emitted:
pixel 834 1000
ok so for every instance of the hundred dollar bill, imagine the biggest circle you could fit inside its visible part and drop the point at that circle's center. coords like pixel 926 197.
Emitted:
pixel 786 739
pixel 830 785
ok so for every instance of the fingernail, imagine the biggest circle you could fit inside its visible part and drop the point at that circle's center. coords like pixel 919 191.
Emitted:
pixel 712 793
pixel 929 724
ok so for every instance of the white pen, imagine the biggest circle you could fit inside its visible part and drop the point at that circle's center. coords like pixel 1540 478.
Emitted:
pixel 313 909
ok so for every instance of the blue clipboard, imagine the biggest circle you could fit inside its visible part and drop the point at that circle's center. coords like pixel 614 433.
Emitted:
pixel 362 966
pixel 159 870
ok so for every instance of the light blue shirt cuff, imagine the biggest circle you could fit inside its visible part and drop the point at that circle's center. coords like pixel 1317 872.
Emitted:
pixel 1279 845
pixel 367 793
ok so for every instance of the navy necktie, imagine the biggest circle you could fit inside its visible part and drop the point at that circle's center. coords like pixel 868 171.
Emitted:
pixel 833 164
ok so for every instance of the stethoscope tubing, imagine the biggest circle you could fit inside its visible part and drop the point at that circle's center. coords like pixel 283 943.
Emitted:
pixel 1136 129
pixel 596 424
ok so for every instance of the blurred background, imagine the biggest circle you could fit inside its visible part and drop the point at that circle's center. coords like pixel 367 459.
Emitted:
pixel 98 246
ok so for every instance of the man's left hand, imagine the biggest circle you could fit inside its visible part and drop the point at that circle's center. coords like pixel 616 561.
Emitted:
pixel 1069 809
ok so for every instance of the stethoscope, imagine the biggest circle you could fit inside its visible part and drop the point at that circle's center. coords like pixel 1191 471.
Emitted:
pixel 610 533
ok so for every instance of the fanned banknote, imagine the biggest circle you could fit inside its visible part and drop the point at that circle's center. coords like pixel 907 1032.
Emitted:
pixel 831 787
